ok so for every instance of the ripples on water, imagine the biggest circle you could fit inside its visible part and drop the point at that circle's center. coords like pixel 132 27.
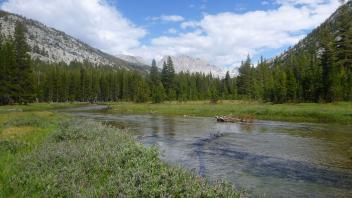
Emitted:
pixel 274 159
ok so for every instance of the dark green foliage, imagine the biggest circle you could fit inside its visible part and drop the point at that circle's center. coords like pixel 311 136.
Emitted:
pixel 168 79
pixel 317 69
pixel 24 76
pixel 158 93
pixel 244 78
pixel 154 74
pixel 16 77
pixel 156 87
pixel 142 91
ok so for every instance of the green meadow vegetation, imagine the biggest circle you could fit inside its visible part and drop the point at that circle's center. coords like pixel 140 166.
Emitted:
pixel 45 153
pixel 340 112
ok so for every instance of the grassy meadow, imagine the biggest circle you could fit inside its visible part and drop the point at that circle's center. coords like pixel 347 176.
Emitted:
pixel 48 154
pixel 302 112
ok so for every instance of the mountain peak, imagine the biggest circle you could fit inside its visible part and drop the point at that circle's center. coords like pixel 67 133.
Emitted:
pixel 186 63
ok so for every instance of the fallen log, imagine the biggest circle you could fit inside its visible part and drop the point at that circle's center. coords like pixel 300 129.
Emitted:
pixel 233 119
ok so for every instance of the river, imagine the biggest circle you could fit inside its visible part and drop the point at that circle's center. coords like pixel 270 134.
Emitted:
pixel 264 158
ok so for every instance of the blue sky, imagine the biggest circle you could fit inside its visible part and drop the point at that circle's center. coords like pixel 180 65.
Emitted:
pixel 222 32
pixel 140 12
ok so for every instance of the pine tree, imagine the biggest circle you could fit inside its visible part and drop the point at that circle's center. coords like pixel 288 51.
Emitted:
pixel 154 74
pixel 168 78
pixel 9 85
pixel 228 84
pixel 24 77
pixel 244 78
pixel 342 52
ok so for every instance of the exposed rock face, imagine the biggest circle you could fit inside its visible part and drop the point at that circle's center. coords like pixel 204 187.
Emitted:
pixel 133 59
pixel 53 46
pixel 181 63
pixel 313 40
pixel 189 64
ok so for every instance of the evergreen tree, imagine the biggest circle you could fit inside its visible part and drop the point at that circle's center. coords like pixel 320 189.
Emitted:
pixel 154 74
pixel 158 94
pixel 142 91
pixel 24 77
pixel 168 78
pixel 228 89
pixel 9 86
pixel 244 78
pixel 343 52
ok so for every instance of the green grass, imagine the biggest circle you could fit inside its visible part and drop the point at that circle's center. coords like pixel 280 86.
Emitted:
pixel 20 134
pixel 38 107
pixel 46 154
pixel 303 112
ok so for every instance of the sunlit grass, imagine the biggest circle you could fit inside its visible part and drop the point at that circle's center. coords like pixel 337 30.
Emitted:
pixel 21 133
pixel 17 132
pixel 302 112
pixel 44 154
pixel 38 107
pixel 88 159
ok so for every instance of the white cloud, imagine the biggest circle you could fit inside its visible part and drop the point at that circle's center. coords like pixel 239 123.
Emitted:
pixel 167 18
pixel 93 21
pixel 172 31
pixel 189 24
pixel 301 2
pixel 223 38
pixel 227 38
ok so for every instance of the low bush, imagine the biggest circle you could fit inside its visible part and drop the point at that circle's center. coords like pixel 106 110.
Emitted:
pixel 89 159
pixel 11 146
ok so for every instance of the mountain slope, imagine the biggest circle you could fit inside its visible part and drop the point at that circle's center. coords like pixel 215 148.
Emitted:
pixel 313 42
pixel 189 64
pixel 133 59
pixel 51 45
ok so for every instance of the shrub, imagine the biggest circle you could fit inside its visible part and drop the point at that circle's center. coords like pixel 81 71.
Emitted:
pixel 89 159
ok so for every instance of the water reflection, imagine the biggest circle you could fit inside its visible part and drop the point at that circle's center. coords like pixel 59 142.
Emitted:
pixel 274 159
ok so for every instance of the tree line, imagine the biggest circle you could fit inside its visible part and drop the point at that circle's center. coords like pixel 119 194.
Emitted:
pixel 318 69
pixel 85 82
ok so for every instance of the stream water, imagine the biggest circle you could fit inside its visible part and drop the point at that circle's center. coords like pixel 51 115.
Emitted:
pixel 265 158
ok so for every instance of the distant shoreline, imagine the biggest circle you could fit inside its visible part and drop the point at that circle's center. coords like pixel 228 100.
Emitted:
pixel 334 113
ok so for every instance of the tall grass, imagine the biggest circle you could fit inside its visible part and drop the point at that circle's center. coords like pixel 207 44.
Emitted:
pixel 38 107
pixel 88 159
pixel 303 112
pixel 20 133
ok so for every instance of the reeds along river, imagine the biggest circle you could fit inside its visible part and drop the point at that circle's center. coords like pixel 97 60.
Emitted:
pixel 274 159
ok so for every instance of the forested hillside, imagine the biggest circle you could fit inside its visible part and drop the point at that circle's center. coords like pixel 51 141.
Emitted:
pixel 24 80
pixel 317 69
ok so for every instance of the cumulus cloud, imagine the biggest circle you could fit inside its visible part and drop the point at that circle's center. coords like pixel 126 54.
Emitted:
pixel 223 39
pixel 227 38
pixel 93 21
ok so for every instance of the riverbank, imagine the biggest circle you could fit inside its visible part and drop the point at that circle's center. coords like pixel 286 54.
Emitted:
pixel 39 151
pixel 340 113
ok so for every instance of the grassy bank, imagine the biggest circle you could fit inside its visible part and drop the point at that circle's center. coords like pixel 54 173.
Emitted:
pixel 20 134
pixel 38 107
pixel 304 112
pixel 43 154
